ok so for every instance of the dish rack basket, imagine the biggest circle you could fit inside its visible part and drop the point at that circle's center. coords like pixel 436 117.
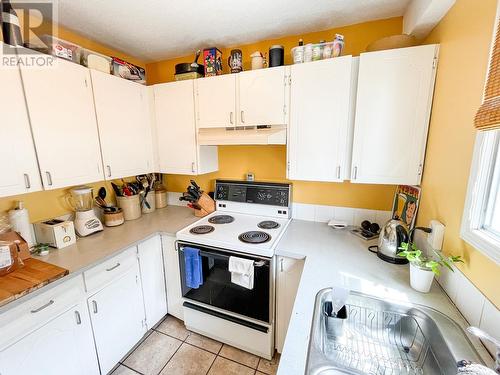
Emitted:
pixel 375 342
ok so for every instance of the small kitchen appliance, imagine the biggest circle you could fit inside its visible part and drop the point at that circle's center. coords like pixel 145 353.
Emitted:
pixel 55 233
pixel 249 220
pixel 82 201
pixel 393 234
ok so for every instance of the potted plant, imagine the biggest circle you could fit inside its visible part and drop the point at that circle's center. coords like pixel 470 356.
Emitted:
pixel 423 268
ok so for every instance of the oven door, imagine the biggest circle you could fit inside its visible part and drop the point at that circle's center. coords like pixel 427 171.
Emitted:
pixel 217 289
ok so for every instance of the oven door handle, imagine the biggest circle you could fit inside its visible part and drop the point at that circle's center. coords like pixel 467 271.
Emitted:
pixel 259 263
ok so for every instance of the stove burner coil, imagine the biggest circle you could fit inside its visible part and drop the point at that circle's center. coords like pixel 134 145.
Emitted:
pixel 201 229
pixel 254 237
pixel 268 224
pixel 221 219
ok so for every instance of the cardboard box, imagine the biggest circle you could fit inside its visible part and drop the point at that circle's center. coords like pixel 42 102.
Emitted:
pixel 23 248
pixel 212 60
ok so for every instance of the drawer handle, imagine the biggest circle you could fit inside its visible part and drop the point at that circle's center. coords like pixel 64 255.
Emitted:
pixel 42 307
pixel 112 268
pixel 94 306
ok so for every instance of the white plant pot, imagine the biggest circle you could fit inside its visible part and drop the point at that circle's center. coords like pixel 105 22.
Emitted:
pixel 421 278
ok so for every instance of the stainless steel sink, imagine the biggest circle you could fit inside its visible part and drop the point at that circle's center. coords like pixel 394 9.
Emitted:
pixel 373 336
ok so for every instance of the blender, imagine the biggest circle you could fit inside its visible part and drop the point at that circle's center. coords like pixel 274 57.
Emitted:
pixel 82 201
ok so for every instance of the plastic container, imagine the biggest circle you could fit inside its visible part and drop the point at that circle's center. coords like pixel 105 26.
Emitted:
pixel 96 61
pixel 62 48
pixel 421 278
pixel 318 51
pixel 150 198
pixel 131 207
pixel 161 198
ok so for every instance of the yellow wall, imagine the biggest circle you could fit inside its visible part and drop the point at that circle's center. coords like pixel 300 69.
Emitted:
pixel 465 36
pixel 47 204
pixel 268 162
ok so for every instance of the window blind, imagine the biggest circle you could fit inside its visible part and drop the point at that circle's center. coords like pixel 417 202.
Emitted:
pixel 488 115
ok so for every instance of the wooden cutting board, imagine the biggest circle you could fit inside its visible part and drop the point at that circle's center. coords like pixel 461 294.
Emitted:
pixel 32 276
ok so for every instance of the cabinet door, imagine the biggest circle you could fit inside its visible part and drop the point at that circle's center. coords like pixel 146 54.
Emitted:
pixel 261 97
pixel 124 125
pixel 153 280
pixel 320 119
pixel 61 109
pixel 393 106
pixel 216 101
pixel 175 127
pixel 287 283
pixel 63 346
pixel 173 277
pixel 17 153
pixel 117 314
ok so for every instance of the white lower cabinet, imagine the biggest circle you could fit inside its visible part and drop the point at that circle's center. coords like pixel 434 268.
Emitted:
pixel 117 315
pixel 153 280
pixel 62 346
pixel 172 277
pixel 287 282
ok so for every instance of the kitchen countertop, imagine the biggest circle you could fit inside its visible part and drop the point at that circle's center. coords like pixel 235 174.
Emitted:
pixel 336 257
pixel 330 256
pixel 98 247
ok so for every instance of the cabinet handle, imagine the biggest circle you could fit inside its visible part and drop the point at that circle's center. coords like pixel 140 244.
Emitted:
pixel 112 268
pixel 109 170
pixel 281 265
pixel 355 173
pixel 338 172
pixel 94 306
pixel 192 167
pixel 231 117
pixel 241 115
pixel 78 318
pixel 27 181
pixel 49 178
pixel 42 307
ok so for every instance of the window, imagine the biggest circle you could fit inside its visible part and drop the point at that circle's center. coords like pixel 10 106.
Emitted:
pixel 481 219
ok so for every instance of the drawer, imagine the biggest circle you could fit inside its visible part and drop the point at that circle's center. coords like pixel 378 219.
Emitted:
pixel 37 311
pixel 99 276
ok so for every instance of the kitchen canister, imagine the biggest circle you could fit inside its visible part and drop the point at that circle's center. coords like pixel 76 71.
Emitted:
pixel 235 61
pixel 257 60
pixel 161 198
pixel 151 202
pixel 113 219
pixel 131 206
pixel 276 56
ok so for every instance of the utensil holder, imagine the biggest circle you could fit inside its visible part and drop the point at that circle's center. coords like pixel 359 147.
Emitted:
pixel 131 206
pixel 150 198
pixel 207 204
pixel 113 219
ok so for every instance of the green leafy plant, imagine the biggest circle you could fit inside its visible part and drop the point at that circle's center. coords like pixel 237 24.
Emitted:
pixel 415 256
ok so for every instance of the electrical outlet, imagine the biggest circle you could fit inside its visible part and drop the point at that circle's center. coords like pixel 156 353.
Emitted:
pixel 436 237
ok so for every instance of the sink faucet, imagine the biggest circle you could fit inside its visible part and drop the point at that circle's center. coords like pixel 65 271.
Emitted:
pixel 484 336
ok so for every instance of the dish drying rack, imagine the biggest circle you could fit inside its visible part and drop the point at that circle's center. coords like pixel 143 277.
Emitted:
pixel 375 342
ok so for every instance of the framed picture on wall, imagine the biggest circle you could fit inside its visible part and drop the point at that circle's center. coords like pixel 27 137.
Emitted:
pixel 405 205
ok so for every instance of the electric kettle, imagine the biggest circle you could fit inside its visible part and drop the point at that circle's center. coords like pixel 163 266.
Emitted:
pixel 391 236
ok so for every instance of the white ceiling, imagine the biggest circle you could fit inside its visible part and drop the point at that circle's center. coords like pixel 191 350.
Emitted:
pixel 154 30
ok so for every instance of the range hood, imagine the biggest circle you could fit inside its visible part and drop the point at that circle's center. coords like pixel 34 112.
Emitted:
pixel 275 135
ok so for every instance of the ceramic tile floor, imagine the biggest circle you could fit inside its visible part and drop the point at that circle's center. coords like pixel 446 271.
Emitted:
pixel 170 349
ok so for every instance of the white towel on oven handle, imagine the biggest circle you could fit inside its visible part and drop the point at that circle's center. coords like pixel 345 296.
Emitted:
pixel 242 271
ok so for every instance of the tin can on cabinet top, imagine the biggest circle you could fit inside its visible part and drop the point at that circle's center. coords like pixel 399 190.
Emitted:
pixel 212 59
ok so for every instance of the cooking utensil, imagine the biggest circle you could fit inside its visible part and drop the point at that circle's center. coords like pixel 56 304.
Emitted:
pixel 116 189
pixel 190 67
pixel 102 194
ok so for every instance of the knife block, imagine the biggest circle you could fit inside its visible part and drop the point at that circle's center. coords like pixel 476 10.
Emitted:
pixel 207 205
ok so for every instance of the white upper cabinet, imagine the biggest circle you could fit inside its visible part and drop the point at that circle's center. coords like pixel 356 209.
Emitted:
pixel 178 152
pixel 216 101
pixel 19 165
pixel 393 106
pixel 261 97
pixel 61 108
pixel 124 125
pixel 321 115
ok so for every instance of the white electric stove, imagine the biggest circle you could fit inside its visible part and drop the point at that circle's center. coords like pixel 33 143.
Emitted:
pixel 249 220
